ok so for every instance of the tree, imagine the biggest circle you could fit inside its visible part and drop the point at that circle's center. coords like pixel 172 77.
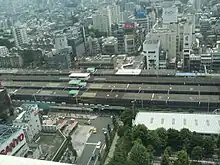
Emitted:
pixel 165 159
pixel 168 151
pixel 107 140
pixel 196 153
pixel 208 145
pixel 182 158
pixel 218 142
pixel 162 134
pixel 126 117
pixel 139 155
pixel 153 139
pixel 109 131
pixel 173 139
pixel 122 130
pixel 140 131
pixel 114 122
pixel 185 136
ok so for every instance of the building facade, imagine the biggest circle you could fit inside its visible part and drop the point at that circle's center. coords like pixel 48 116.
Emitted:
pixel 20 35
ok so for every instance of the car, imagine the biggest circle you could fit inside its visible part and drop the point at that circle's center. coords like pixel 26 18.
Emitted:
pixel 94 131
pixel 88 122
pixel 98 145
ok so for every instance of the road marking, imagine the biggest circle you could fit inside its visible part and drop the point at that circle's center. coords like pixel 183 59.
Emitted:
pixel 92 143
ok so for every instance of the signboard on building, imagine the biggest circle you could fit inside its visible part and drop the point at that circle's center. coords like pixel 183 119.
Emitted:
pixel 13 143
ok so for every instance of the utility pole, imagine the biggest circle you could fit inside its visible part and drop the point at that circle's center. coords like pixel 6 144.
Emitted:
pixel 133 109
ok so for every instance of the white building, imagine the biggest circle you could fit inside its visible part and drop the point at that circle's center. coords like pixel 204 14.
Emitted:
pixel 102 20
pixel 20 35
pixel 197 4
pixel 60 41
pixel 200 123
pixel 4 51
pixel 151 49
pixel 167 39
pixel 12 142
pixel 170 15
pixel 105 17
pixel 115 13
pixel 29 121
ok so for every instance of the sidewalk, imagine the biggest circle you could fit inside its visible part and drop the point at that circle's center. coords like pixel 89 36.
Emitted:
pixel 112 149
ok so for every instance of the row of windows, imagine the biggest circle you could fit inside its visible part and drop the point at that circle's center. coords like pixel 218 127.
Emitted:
pixel 184 121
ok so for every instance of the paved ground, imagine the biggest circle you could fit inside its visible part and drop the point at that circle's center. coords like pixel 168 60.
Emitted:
pixel 50 143
pixel 79 138
pixel 90 147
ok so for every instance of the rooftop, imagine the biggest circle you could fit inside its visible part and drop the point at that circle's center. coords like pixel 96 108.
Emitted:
pixel 200 123
pixel 6 132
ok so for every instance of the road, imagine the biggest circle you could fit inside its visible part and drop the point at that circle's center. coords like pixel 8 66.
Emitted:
pixel 90 147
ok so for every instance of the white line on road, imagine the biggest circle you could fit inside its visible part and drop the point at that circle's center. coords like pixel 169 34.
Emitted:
pixel 92 144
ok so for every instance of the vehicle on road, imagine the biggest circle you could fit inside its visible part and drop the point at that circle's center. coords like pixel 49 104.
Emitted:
pixel 98 145
pixel 88 122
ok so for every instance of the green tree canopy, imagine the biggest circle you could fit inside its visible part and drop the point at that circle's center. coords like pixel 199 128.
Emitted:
pixel 182 158
pixel 165 159
pixel 173 139
pixel 139 155
pixel 126 117
pixel 196 153
pixel 140 131
pixel 208 146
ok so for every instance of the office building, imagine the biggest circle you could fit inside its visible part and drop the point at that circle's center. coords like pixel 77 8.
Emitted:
pixel 121 39
pixel 102 20
pixel 93 46
pixel 60 41
pixel 29 121
pixel 20 35
pixel 151 51
pixel 167 39
pixel 59 59
pixel 216 57
pixel 11 61
pixel 110 46
pixel 197 5
pixel 4 51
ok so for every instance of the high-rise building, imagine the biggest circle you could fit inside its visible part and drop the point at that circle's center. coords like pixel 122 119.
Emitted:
pixel 121 39
pixel 60 41
pixel 151 51
pixel 110 46
pixel 20 35
pixel 197 5
pixel 101 22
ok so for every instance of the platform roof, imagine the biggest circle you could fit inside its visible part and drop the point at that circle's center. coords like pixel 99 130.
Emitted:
pixel 128 72
pixel 200 123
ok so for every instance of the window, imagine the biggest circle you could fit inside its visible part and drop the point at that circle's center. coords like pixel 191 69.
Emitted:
pixel 162 120
pixel 151 52
pixel 184 121
pixel 173 121
pixel 152 119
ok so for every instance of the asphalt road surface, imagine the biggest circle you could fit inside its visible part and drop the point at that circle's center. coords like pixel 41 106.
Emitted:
pixel 90 147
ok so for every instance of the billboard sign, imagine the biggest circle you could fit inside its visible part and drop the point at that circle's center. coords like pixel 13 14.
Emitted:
pixel 13 144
